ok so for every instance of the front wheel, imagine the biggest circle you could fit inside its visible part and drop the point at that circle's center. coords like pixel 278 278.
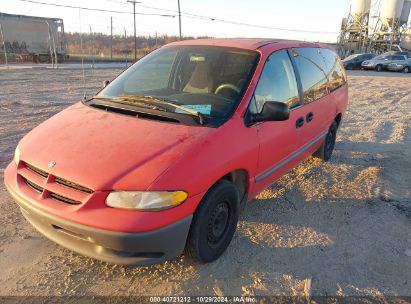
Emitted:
pixel 326 149
pixel 378 68
pixel 406 70
pixel 214 223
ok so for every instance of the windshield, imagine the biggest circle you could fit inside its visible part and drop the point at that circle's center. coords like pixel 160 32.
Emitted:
pixel 205 79
pixel 352 57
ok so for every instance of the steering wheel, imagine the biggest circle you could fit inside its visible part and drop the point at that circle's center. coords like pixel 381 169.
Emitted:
pixel 227 86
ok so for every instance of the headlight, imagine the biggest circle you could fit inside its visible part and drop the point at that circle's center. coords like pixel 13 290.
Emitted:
pixel 17 155
pixel 145 200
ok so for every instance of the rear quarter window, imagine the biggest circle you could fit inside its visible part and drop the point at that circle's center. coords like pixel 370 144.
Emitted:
pixel 321 72
pixel 398 58
pixel 313 73
pixel 335 70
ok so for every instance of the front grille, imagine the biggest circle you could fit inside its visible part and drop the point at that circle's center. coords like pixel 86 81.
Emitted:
pixel 69 184
pixel 64 199
pixel 71 193
pixel 37 170
pixel 34 186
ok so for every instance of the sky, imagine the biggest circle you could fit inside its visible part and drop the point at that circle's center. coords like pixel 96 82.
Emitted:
pixel 321 16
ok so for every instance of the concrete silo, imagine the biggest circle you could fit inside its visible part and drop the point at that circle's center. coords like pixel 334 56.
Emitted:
pixel 405 43
pixel 387 32
pixel 355 28
pixel 405 13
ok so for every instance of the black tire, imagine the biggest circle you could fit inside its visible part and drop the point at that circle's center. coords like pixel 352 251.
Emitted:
pixel 406 70
pixel 378 68
pixel 325 151
pixel 214 223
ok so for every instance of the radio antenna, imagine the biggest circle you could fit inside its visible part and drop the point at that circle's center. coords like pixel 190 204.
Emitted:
pixel 82 57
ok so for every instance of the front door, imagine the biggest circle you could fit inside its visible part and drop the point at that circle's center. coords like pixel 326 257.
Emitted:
pixel 278 139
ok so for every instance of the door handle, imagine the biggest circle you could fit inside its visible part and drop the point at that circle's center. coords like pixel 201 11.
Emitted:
pixel 299 122
pixel 309 117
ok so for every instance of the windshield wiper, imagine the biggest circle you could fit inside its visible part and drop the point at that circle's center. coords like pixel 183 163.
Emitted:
pixel 156 100
pixel 130 102
pixel 149 101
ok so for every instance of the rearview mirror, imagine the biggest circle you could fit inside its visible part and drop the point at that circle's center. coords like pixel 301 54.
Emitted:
pixel 272 111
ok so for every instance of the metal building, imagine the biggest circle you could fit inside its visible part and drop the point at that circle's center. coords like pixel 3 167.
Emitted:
pixel 29 38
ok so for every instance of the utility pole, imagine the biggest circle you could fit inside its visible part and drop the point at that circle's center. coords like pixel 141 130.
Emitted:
pixel 179 18
pixel 111 38
pixel 156 38
pixel 4 45
pixel 92 45
pixel 135 34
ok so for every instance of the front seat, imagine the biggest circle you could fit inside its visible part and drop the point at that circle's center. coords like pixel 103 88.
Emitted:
pixel 200 80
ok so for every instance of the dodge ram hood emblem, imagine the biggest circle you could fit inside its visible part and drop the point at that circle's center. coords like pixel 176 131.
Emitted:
pixel 51 164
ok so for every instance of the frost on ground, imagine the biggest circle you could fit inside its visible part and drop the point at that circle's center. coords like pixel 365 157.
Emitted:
pixel 337 228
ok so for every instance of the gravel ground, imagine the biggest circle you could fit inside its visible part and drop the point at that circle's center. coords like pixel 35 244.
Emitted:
pixel 338 228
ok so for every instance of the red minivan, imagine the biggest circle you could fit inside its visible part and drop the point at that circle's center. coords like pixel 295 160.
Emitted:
pixel 165 157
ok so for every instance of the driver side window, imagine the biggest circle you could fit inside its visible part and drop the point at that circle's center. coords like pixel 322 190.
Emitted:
pixel 277 83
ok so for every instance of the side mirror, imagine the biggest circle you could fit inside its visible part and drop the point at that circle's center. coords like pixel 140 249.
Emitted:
pixel 105 83
pixel 272 111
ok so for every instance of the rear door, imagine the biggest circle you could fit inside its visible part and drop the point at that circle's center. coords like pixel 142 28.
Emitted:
pixel 278 139
pixel 398 59
pixel 321 75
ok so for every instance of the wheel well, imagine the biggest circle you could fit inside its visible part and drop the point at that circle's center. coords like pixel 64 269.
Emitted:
pixel 337 119
pixel 240 179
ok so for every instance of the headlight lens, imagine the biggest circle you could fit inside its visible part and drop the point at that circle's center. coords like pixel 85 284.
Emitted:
pixel 17 155
pixel 145 200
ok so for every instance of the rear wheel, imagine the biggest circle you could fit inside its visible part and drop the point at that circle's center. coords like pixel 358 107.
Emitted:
pixel 326 149
pixel 378 68
pixel 214 223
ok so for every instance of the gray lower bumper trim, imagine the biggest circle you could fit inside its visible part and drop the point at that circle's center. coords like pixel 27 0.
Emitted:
pixel 124 248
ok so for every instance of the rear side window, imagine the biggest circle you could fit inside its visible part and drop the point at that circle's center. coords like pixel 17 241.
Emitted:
pixel 320 70
pixel 335 71
pixel 277 83
pixel 313 73
pixel 397 57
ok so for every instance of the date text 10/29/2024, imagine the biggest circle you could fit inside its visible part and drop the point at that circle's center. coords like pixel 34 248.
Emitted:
pixel 203 299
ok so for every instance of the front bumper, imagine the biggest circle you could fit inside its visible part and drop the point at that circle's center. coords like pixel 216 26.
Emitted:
pixel 113 235
pixel 140 248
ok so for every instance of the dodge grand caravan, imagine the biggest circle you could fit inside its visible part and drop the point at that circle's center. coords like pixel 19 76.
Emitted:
pixel 165 157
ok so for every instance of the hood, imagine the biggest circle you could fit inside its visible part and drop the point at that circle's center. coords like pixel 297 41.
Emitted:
pixel 105 151
pixel 346 60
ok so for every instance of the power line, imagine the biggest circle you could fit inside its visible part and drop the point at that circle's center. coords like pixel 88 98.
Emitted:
pixel 186 14
pixel 202 17
pixel 256 25
pixel 95 9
